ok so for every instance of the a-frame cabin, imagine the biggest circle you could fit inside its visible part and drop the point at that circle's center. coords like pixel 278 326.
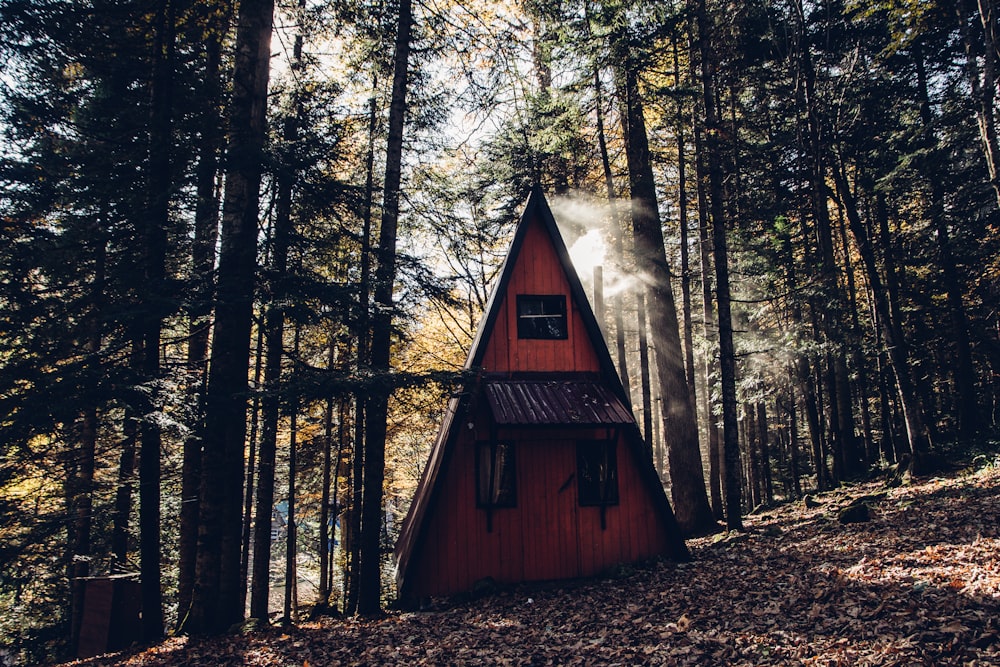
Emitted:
pixel 539 471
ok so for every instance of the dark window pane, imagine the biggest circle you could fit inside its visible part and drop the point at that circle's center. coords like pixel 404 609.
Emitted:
pixel 495 478
pixel 541 316
pixel 597 472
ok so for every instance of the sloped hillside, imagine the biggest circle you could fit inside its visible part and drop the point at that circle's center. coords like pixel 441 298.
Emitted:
pixel 918 583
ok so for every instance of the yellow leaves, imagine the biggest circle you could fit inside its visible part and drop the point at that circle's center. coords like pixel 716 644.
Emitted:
pixel 32 488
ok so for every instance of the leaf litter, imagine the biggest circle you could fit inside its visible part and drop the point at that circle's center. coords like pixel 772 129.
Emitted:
pixel 917 584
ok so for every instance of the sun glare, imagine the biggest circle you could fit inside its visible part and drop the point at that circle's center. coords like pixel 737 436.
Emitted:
pixel 587 252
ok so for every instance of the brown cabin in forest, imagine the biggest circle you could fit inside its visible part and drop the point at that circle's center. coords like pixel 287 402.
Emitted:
pixel 539 471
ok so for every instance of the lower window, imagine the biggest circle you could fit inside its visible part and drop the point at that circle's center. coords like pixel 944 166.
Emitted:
pixel 597 472
pixel 495 478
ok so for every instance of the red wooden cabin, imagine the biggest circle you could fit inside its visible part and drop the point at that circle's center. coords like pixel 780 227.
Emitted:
pixel 539 471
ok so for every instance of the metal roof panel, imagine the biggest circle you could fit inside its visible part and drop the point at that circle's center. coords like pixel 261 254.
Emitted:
pixel 554 403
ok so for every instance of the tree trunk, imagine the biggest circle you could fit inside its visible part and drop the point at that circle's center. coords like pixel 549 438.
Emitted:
pixel 857 349
pixel 325 537
pixel 159 187
pixel 803 373
pixel 763 436
pixel 80 471
pixel 249 485
pixel 616 238
pixel 123 492
pixel 369 584
pixel 80 501
pixel 644 381
pixel 680 428
pixel 793 444
pixel 291 608
pixel 216 600
pixel 206 233
pixel 841 422
pixel 270 415
pixel 282 230
pixel 750 433
pixel 363 361
pixel 966 404
pixel 727 351
pixel 343 412
pixel 898 357
pixel 983 85
pixel 682 218
pixel 887 443
pixel 716 468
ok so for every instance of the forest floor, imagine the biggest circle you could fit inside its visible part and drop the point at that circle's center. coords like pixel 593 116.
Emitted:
pixel 917 584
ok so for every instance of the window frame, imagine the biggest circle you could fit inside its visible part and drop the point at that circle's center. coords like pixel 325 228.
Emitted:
pixel 553 307
pixel 599 493
pixel 487 452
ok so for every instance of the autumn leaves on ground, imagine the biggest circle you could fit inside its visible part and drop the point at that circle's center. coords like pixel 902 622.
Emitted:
pixel 917 584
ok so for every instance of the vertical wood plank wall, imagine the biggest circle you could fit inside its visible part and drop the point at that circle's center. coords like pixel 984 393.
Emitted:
pixel 548 535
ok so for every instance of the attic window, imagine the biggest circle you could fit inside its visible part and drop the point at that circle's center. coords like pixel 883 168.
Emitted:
pixel 541 316
pixel 495 480
pixel 597 472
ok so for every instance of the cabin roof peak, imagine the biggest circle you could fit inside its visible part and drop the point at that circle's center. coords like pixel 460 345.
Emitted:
pixel 538 211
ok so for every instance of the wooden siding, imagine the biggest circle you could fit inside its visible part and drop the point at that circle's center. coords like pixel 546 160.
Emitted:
pixel 548 535
pixel 538 270
pixel 445 546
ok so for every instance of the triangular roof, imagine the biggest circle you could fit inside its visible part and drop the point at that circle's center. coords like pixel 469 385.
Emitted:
pixel 537 208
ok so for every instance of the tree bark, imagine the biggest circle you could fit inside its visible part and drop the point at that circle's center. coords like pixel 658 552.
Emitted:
pixel 680 429
pixel 983 85
pixel 682 220
pixel 754 485
pixel 793 443
pixel 616 238
pixel 898 357
pixel 251 472
pixel 159 186
pixel 727 350
pixel 282 230
pixel 763 436
pixel 325 537
pixel 291 608
pixel 857 349
pixel 216 598
pixel 82 461
pixel 716 468
pixel 123 492
pixel 836 376
pixel 206 233
pixel 644 381
pixel 80 501
pixel 966 402
pixel 369 584
pixel 363 361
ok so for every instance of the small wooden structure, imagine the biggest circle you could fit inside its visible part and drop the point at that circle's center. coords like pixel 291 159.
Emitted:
pixel 539 471
pixel 112 614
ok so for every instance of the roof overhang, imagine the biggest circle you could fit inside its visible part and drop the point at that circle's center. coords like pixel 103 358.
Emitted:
pixel 555 403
